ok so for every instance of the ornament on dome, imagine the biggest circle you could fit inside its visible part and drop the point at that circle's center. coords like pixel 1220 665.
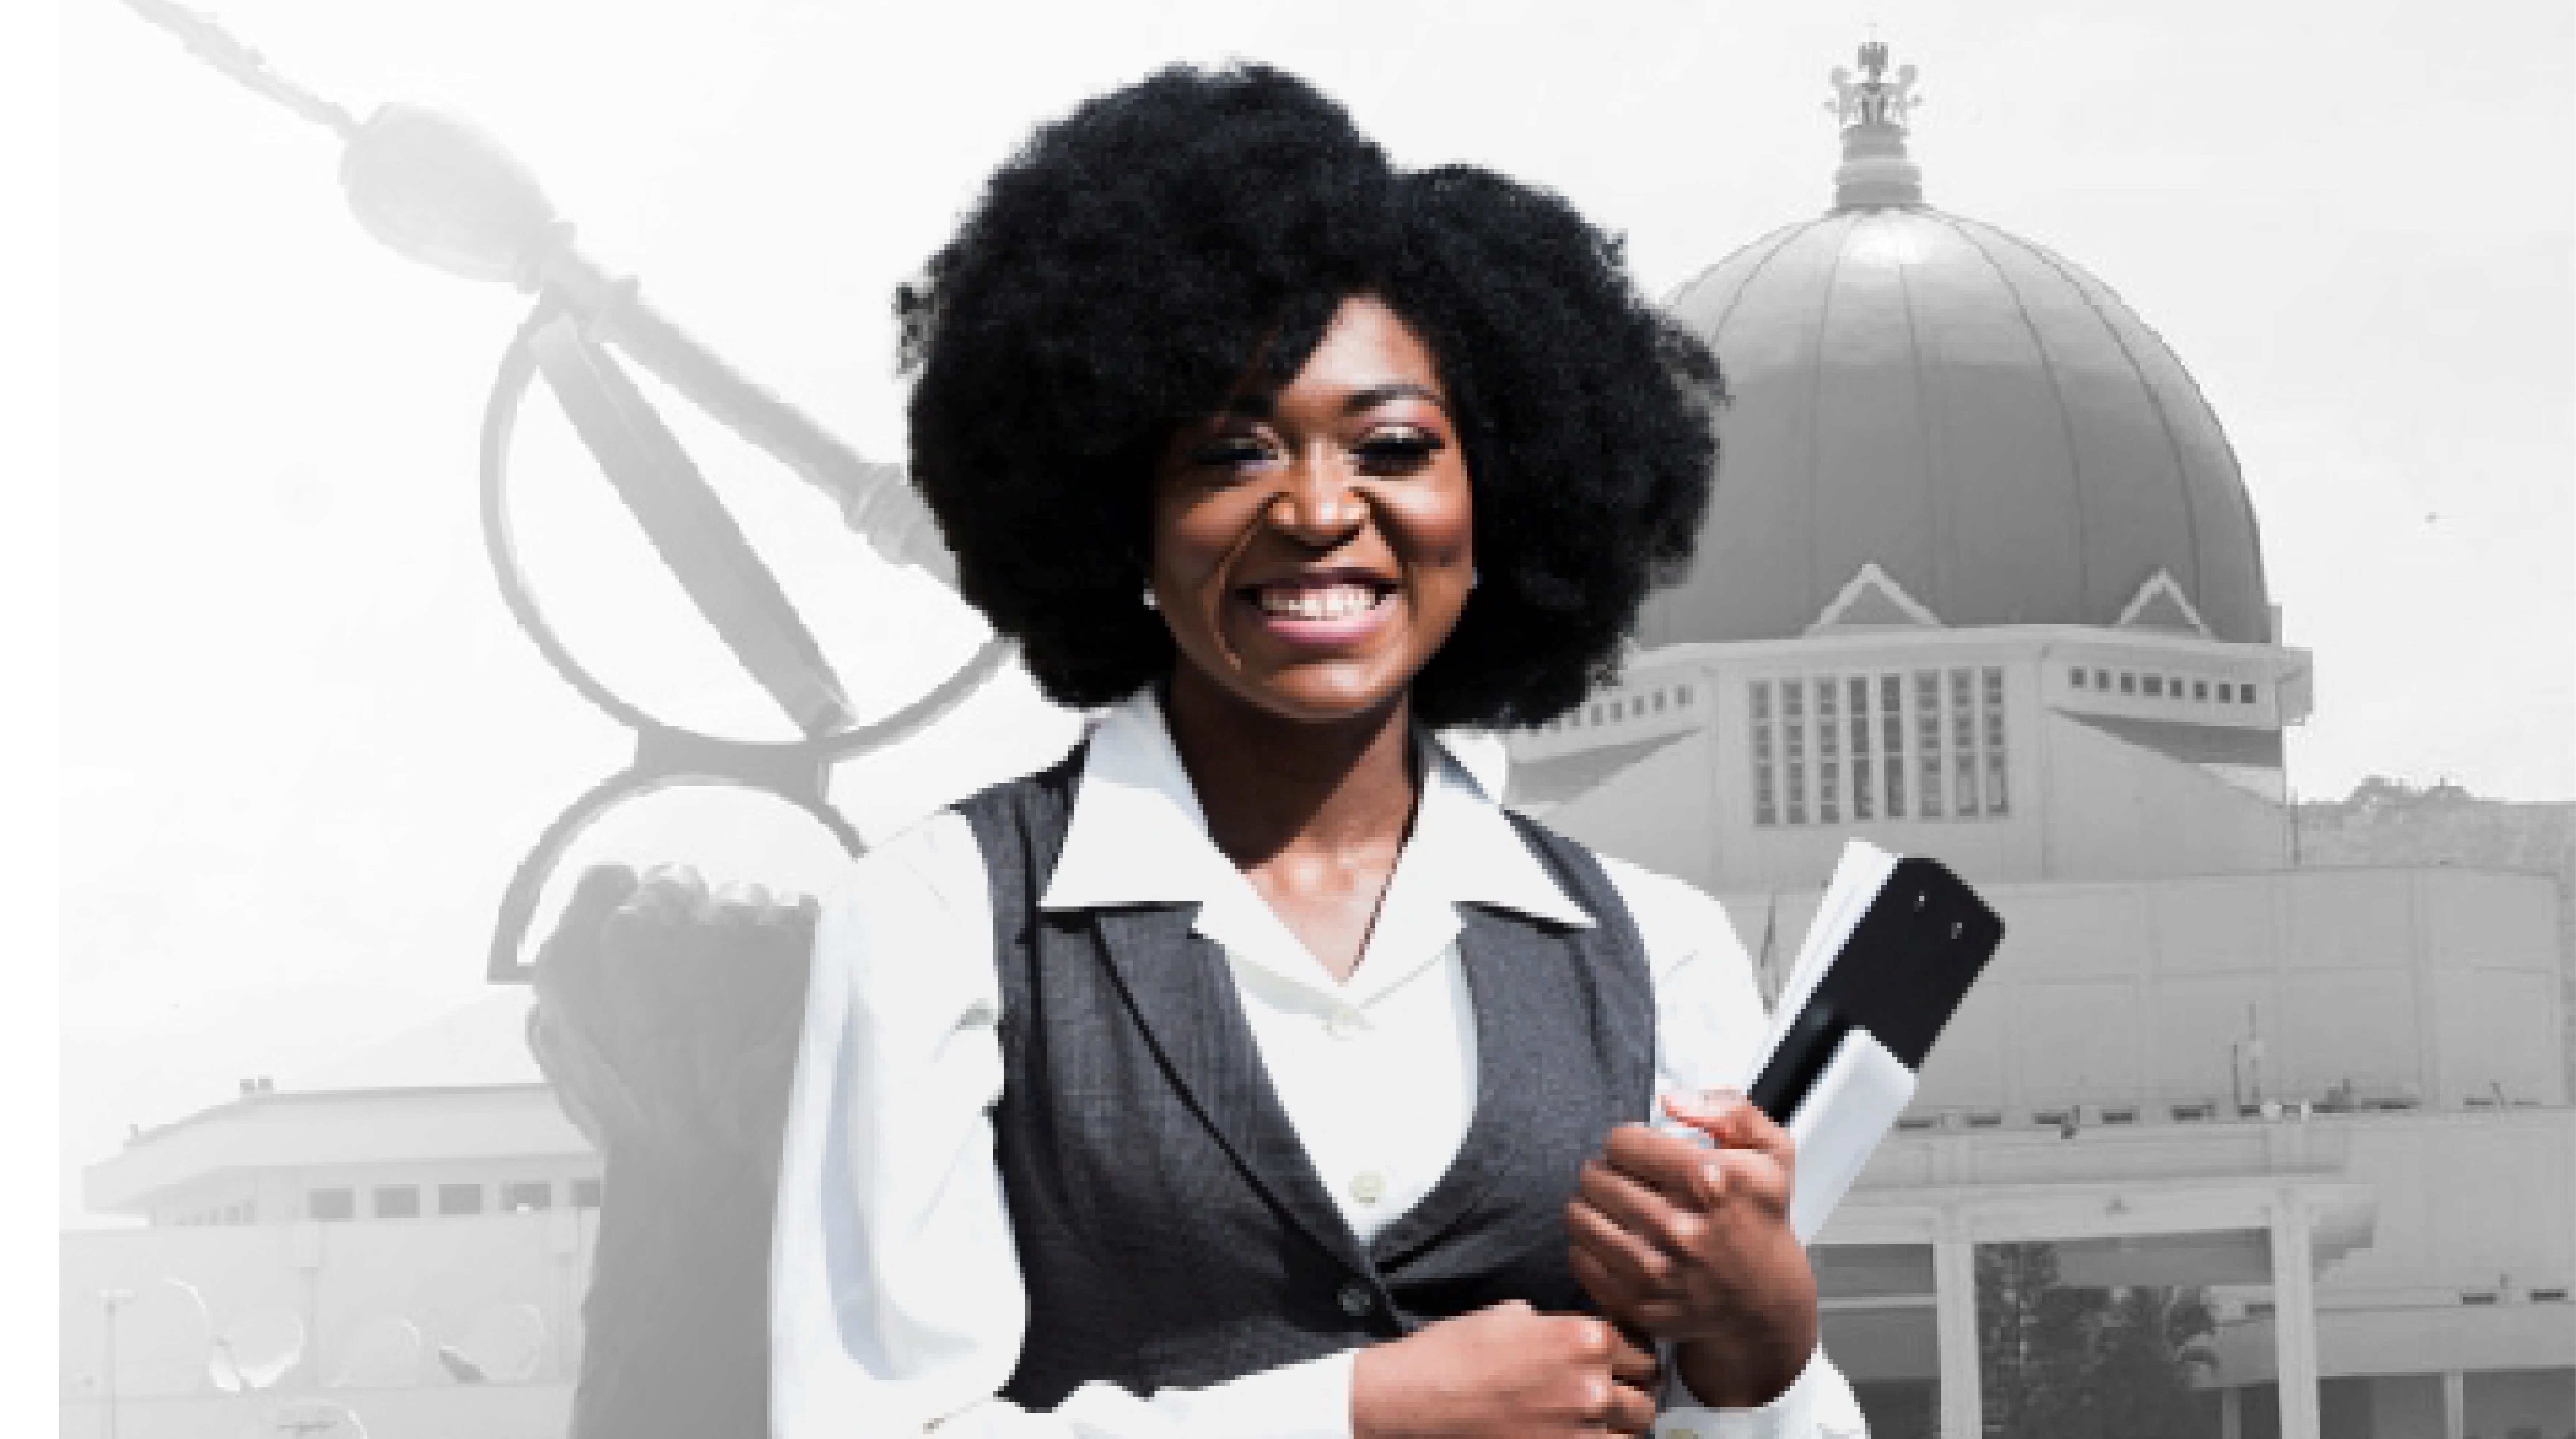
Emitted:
pixel 1876 172
pixel 1875 100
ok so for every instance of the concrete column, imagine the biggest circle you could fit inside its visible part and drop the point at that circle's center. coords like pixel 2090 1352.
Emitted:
pixel 2455 1404
pixel 563 1245
pixel 2294 1316
pixel 304 1251
pixel 1954 1312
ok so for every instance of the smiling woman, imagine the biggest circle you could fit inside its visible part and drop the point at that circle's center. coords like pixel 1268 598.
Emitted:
pixel 1313 548
pixel 1252 1071
pixel 1172 254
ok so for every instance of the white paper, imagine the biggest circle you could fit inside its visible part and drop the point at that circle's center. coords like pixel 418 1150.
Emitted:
pixel 1859 875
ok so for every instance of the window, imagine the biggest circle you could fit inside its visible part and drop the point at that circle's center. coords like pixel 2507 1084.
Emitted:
pixel 1682 696
pixel 1618 710
pixel 2075 676
pixel 1833 750
pixel 1764 810
pixel 2155 684
pixel 2200 689
pixel 397 1201
pixel 526 1194
pixel 2245 694
pixel 460 1199
pixel 586 1192
pixel 2128 683
pixel 331 1204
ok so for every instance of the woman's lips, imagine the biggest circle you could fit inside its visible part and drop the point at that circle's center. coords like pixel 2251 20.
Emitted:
pixel 1319 613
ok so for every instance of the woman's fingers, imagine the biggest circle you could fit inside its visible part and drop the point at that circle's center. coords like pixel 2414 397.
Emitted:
pixel 1632 1410
pixel 1631 1259
pixel 1634 1360
pixel 1733 1121
pixel 1669 1223
pixel 1702 1178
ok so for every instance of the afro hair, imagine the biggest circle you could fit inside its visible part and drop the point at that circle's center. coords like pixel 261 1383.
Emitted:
pixel 1124 266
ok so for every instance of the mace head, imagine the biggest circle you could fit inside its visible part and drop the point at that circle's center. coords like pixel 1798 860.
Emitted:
pixel 444 193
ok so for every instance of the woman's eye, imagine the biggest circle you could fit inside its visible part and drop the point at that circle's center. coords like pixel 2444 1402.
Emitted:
pixel 1229 454
pixel 1398 452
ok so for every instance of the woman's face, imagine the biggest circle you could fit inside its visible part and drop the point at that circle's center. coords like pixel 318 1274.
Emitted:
pixel 1313 547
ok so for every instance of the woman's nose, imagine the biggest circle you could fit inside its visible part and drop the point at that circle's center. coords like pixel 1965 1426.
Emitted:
pixel 1318 504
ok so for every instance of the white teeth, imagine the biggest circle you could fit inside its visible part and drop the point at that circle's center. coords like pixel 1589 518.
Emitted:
pixel 1329 602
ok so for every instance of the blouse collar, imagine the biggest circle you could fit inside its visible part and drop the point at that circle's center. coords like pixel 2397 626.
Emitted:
pixel 1138 836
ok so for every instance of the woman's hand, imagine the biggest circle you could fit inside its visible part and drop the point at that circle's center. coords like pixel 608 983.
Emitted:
pixel 1507 1370
pixel 1693 1245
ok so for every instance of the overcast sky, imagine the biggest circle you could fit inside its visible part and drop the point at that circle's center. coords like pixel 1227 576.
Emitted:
pixel 303 743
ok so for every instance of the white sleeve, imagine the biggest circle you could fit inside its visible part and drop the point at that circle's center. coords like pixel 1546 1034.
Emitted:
pixel 1709 1028
pixel 895 1296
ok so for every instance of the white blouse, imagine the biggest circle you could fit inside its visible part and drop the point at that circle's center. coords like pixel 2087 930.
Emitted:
pixel 896 1299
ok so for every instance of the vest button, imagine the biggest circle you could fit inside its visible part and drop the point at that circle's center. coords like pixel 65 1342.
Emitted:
pixel 1345 1023
pixel 1356 1299
pixel 1368 1186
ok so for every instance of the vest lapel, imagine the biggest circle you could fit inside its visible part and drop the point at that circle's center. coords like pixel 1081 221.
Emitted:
pixel 1516 972
pixel 1177 983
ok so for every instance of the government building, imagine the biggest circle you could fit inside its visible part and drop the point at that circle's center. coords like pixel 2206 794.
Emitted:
pixel 1982 581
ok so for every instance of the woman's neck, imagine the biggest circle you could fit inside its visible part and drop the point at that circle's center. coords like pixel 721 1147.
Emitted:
pixel 1271 786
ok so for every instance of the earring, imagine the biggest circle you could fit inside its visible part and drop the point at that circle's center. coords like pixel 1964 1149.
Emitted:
pixel 1149 599
pixel 1475 577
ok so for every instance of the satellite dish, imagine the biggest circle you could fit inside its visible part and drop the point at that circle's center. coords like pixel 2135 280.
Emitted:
pixel 505 1343
pixel 163 1337
pixel 255 1350
pixel 383 1354
pixel 311 1419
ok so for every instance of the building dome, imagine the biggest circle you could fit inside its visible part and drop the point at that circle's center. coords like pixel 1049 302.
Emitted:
pixel 1977 417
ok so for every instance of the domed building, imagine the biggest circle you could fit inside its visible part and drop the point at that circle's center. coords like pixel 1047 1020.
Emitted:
pixel 1981 555
pixel 1982 580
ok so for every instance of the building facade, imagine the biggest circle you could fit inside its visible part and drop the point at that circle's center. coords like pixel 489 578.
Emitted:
pixel 396 1249
pixel 1982 581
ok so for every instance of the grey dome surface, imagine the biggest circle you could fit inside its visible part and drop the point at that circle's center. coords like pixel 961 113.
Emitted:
pixel 1983 420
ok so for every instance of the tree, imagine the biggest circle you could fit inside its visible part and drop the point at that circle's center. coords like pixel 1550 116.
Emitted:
pixel 2061 1362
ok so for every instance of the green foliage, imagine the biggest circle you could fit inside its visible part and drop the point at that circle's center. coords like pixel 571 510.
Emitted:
pixel 2066 1363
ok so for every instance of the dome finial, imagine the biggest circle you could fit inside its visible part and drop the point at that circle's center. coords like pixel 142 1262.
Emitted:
pixel 1876 172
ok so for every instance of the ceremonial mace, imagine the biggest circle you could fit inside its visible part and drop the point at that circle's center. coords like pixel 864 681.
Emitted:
pixel 438 190
pixel 665 1023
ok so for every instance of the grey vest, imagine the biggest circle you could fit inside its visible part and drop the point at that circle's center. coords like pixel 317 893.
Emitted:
pixel 1171 1230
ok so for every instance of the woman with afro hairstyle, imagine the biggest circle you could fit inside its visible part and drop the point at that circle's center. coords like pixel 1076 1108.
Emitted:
pixel 1252 1071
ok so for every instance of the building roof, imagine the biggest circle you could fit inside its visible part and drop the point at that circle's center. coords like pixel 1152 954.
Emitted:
pixel 1975 415
pixel 482 1043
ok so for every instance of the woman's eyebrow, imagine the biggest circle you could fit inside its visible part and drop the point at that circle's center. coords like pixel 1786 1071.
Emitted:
pixel 1369 397
pixel 1376 395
